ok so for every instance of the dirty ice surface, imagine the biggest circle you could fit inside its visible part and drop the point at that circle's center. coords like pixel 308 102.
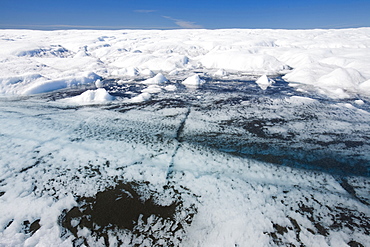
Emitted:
pixel 185 138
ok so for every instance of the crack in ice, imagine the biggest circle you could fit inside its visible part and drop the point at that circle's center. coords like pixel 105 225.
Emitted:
pixel 178 144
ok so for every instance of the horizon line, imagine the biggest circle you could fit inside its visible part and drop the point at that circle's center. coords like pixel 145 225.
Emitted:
pixel 55 27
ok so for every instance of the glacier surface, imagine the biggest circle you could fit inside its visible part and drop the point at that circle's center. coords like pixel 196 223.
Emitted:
pixel 185 138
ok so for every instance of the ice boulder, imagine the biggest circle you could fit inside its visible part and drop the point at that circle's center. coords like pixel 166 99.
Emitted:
pixel 264 82
pixel 97 96
pixel 156 80
pixel 193 81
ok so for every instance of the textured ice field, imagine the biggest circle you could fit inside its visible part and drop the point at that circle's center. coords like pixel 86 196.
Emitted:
pixel 185 138
pixel 332 62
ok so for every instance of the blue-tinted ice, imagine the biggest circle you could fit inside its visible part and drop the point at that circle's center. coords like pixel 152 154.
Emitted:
pixel 226 162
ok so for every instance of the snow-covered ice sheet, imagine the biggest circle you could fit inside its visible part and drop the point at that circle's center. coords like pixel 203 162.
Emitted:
pixel 331 62
pixel 185 138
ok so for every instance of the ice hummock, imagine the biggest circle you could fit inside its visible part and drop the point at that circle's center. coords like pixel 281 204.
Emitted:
pixel 97 96
pixel 156 80
pixel 328 62
pixel 193 81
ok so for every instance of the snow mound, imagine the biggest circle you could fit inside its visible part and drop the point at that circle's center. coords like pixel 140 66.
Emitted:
pixel 243 61
pixel 347 79
pixel 14 84
pixel 365 87
pixel 264 82
pixel 51 51
pixel 18 79
pixel 193 81
pixel 140 98
pixel 97 96
pixel 308 74
pixel 341 83
pixel 51 85
pixel 156 80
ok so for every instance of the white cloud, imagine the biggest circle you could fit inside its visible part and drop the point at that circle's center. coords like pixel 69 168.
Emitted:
pixel 184 24
pixel 145 11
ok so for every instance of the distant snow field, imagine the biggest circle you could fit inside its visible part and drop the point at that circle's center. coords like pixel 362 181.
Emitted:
pixel 332 62
pixel 185 138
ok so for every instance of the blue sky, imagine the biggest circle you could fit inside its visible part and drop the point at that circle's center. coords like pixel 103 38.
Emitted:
pixel 119 14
